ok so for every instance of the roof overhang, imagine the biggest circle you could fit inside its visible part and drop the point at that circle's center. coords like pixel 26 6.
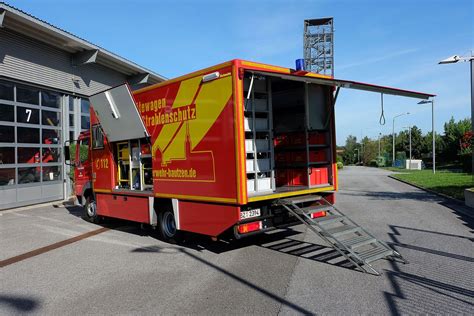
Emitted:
pixel 308 78
pixel 82 50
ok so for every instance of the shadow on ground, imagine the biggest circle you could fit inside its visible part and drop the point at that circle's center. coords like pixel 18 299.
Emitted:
pixel 19 304
pixel 459 208
pixel 75 210
pixel 420 294
pixel 280 241
pixel 429 285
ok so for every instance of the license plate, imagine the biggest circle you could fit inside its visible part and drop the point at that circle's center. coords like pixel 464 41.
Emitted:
pixel 250 213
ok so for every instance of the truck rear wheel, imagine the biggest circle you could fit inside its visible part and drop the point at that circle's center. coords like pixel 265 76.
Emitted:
pixel 167 225
pixel 90 210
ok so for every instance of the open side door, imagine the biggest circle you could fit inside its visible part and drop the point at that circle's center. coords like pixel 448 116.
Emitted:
pixel 118 114
pixel 347 84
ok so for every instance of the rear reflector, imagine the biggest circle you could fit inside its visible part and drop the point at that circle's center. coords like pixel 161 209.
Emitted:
pixel 318 214
pixel 249 227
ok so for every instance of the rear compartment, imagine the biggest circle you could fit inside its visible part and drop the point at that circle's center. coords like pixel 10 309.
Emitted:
pixel 287 135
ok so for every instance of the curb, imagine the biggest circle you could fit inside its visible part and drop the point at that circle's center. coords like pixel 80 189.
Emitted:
pixel 438 194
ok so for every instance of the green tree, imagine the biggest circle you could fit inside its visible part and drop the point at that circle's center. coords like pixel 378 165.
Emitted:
pixel 416 142
pixel 427 145
pixel 370 150
pixel 350 154
pixel 453 133
pixel 386 147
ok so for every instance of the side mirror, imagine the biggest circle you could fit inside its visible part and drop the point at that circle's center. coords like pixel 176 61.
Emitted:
pixel 67 153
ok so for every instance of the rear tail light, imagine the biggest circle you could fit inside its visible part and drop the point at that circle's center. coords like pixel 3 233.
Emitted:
pixel 249 227
pixel 318 214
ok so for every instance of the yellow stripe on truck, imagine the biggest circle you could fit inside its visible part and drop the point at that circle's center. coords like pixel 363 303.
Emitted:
pixel 187 91
pixel 210 102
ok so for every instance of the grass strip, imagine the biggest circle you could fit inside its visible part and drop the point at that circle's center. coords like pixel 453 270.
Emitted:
pixel 446 182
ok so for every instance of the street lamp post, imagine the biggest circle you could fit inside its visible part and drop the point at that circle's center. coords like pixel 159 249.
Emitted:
pixel 380 134
pixel 409 137
pixel 432 131
pixel 455 59
pixel 393 136
pixel 357 154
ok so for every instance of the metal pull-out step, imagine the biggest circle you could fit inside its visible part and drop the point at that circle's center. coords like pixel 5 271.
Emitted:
pixel 328 219
pixel 340 231
pixel 301 199
pixel 358 241
pixel 316 208
pixel 375 253
pixel 352 241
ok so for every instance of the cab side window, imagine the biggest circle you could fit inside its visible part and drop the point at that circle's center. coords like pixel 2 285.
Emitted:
pixel 83 150
pixel 97 137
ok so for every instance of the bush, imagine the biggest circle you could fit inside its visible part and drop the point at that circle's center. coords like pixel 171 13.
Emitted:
pixel 340 165
pixel 381 161
pixel 373 163
pixel 466 161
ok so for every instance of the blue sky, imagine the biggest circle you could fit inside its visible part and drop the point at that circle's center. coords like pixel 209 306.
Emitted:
pixel 393 43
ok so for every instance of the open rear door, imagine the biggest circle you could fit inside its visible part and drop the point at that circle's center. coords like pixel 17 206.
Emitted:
pixel 118 114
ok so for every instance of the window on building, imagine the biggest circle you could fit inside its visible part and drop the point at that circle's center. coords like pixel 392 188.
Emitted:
pixel 50 118
pixel 51 155
pixel 28 135
pixel 6 91
pixel 27 95
pixel 7 155
pixel 51 99
pixel 28 155
pixel 36 156
pixel 51 136
pixel 85 106
pixel 71 104
pixel 7 134
pixel 85 116
pixel 27 115
pixel 71 120
pixel 7 176
pixel 85 122
pixel 7 113
pixel 97 137
pixel 29 175
pixel 51 173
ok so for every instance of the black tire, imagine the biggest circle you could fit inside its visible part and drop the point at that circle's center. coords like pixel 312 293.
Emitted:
pixel 167 227
pixel 90 210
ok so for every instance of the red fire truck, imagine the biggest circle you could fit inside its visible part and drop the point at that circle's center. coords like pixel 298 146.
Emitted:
pixel 218 150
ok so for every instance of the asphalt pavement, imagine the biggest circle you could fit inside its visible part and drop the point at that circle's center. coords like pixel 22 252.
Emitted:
pixel 124 269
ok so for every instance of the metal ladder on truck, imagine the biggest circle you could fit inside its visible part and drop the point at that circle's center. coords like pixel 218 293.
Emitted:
pixel 349 239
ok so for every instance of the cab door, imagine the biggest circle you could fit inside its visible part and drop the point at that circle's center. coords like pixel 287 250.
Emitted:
pixel 83 170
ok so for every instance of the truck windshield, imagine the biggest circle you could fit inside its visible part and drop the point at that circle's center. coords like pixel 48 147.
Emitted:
pixel 83 150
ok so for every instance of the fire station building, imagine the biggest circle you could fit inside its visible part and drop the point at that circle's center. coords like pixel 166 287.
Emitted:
pixel 46 77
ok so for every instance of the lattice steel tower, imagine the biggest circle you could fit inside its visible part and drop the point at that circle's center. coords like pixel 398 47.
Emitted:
pixel 319 46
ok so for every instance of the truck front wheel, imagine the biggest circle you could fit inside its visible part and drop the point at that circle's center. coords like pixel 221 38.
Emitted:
pixel 168 230
pixel 90 210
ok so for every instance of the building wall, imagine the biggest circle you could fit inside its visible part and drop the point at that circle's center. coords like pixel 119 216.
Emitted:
pixel 29 60
pixel 26 176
